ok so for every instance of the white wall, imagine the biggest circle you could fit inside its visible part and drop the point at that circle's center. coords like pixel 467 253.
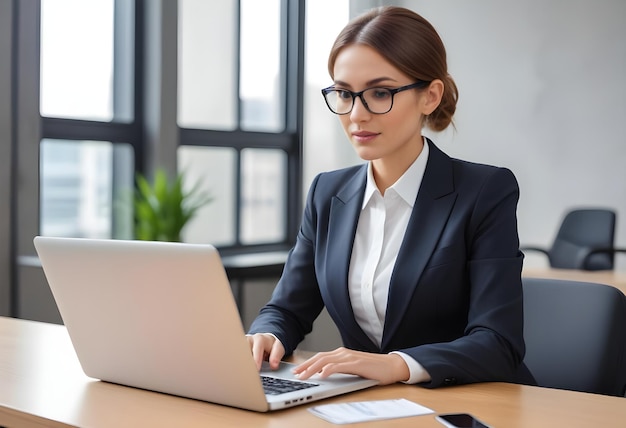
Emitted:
pixel 542 91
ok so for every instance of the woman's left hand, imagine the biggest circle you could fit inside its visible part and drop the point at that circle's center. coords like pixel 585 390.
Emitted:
pixel 386 368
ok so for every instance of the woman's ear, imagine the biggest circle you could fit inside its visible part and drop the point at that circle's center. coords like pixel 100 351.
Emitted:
pixel 431 96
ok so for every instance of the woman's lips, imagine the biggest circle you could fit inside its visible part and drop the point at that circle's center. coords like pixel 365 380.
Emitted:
pixel 364 136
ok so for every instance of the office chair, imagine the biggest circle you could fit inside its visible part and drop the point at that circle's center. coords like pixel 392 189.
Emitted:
pixel 585 240
pixel 575 335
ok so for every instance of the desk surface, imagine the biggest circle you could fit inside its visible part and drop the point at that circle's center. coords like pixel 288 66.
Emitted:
pixel 42 384
pixel 615 278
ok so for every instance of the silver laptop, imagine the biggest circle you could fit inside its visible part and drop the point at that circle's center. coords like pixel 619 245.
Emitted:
pixel 162 317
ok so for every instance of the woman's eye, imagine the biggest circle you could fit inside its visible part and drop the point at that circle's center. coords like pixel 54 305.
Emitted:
pixel 381 94
pixel 344 95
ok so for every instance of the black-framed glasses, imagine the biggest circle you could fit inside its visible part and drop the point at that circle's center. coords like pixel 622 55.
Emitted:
pixel 376 100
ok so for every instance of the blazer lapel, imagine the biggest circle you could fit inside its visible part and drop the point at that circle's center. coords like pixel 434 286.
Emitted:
pixel 344 213
pixel 432 208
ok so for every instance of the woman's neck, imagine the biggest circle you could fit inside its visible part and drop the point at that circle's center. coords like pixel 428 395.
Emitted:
pixel 389 169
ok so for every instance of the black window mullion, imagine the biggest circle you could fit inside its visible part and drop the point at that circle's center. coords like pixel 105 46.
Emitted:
pixel 138 90
pixel 127 79
pixel 294 96
pixel 73 129
pixel 238 193
pixel 233 135
pixel 236 139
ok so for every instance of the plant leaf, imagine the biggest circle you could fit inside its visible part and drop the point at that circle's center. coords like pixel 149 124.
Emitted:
pixel 163 208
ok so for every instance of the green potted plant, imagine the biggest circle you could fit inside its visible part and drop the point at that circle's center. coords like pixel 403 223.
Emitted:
pixel 163 207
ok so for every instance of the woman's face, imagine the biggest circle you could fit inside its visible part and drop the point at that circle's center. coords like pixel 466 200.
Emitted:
pixel 391 137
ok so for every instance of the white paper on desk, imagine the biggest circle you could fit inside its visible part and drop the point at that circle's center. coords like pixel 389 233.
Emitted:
pixel 363 411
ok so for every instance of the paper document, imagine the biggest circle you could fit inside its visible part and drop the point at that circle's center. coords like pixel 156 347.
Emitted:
pixel 362 411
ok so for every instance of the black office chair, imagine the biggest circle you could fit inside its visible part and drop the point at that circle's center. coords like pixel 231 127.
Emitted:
pixel 585 240
pixel 575 335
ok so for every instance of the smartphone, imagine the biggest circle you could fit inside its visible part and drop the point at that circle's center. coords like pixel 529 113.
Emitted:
pixel 460 420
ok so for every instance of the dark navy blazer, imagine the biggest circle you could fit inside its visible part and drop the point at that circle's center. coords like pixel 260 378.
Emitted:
pixel 455 297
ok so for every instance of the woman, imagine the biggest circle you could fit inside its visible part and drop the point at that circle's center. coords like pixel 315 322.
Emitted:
pixel 415 255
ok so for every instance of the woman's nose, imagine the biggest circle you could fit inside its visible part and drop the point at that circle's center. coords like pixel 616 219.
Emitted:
pixel 359 111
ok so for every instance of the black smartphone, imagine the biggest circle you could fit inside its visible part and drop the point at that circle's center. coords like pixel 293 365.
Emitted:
pixel 460 420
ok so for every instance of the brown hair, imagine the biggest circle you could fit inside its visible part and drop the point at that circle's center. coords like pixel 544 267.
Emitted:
pixel 411 44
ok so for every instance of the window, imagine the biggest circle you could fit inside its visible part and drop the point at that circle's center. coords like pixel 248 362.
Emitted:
pixel 90 137
pixel 207 64
pixel 238 121
pixel 77 59
pixel 239 110
pixel 77 189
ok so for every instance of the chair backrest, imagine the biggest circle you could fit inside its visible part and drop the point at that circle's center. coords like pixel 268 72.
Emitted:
pixel 575 335
pixel 580 231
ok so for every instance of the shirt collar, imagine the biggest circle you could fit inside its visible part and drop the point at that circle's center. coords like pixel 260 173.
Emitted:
pixel 407 185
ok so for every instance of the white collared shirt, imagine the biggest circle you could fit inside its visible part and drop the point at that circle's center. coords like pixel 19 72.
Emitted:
pixel 379 234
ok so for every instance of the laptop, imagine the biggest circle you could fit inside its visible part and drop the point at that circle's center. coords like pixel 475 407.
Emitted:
pixel 162 317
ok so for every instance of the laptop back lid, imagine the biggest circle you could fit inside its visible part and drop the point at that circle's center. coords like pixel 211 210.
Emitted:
pixel 153 315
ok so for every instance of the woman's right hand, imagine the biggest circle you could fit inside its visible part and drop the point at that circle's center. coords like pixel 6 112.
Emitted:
pixel 267 347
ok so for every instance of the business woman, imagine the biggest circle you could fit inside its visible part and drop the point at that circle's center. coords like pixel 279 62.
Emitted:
pixel 415 255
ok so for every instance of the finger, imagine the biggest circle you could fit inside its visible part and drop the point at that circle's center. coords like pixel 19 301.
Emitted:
pixel 276 354
pixel 322 358
pixel 302 367
pixel 259 349
pixel 325 364
pixel 313 365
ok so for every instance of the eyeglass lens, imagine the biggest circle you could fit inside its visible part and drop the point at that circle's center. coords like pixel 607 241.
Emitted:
pixel 376 100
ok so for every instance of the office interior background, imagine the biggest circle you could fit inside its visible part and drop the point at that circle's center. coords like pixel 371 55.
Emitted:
pixel 237 108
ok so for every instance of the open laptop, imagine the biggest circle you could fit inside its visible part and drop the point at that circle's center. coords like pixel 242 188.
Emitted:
pixel 162 317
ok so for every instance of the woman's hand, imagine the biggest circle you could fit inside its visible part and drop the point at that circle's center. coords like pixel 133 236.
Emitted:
pixel 266 347
pixel 386 368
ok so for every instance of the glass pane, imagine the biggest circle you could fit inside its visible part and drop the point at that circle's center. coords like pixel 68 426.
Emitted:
pixel 207 64
pixel 77 59
pixel 261 80
pixel 213 169
pixel 263 196
pixel 77 189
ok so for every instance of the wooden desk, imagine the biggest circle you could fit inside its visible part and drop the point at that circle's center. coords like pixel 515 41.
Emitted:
pixel 615 278
pixel 42 384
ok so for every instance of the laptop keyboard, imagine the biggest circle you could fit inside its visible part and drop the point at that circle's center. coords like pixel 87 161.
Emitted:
pixel 275 386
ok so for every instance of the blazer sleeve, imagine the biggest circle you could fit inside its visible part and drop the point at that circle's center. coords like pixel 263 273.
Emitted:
pixel 296 301
pixel 492 345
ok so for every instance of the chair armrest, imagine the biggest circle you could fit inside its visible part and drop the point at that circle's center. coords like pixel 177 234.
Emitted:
pixel 607 250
